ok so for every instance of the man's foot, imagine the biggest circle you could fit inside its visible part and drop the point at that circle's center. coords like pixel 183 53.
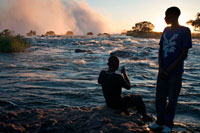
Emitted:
pixel 154 126
pixel 147 118
pixel 166 129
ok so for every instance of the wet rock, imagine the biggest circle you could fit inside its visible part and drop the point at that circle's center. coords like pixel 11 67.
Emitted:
pixel 70 119
pixel 123 54
pixel 7 104
pixel 82 51
pixel 11 128
pixel 48 126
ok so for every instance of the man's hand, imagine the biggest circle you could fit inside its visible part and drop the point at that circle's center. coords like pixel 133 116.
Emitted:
pixel 123 70
pixel 163 74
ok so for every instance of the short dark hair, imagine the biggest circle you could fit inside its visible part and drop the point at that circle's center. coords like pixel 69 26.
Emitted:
pixel 113 61
pixel 173 10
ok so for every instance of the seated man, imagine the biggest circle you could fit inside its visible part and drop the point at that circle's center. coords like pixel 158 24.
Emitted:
pixel 112 84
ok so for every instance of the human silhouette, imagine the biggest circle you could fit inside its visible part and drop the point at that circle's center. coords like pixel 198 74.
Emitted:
pixel 174 45
pixel 112 84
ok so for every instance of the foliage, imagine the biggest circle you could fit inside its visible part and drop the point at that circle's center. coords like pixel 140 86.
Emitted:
pixel 144 34
pixel 31 33
pixel 10 43
pixel 90 33
pixel 50 33
pixel 69 33
pixel 143 26
pixel 195 23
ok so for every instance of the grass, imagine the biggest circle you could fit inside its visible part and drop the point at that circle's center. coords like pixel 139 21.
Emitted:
pixel 196 35
pixel 144 34
pixel 12 44
pixel 156 35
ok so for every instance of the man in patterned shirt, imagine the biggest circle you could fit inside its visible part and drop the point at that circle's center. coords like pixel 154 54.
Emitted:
pixel 174 45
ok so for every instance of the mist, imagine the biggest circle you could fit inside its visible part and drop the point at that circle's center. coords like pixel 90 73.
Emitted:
pixel 60 16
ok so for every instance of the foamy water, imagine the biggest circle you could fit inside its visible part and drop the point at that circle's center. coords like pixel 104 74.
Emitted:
pixel 52 75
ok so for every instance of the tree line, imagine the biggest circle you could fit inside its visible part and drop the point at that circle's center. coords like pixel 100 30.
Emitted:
pixel 146 26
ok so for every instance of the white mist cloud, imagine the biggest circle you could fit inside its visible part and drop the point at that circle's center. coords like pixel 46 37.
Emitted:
pixel 57 15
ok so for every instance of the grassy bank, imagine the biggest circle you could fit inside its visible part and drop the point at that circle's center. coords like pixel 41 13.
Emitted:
pixel 144 34
pixel 10 44
pixel 196 35
pixel 156 35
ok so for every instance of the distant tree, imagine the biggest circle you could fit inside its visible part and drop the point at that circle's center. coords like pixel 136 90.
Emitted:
pixel 31 33
pixel 50 33
pixel 7 32
pixel 143 26
pixel 90 33
pixel 195 23
pixel 69 33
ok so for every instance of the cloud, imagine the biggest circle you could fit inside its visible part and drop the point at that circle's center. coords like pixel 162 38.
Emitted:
pixel 57 15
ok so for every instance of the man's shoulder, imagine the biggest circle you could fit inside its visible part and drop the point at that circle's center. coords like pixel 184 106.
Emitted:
pixel 186 29
pixel 114 75
pixel 181 28
pixel 102 71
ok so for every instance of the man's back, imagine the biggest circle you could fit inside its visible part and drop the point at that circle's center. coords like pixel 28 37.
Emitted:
pixel 112 84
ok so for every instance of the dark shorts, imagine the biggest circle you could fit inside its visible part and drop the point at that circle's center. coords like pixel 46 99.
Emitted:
pixel 129 101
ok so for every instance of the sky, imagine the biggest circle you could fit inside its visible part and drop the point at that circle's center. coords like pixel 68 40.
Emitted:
pixel 125 13
pixel 82 16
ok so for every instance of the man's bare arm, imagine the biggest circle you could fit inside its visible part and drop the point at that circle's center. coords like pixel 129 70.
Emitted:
pixel 123 71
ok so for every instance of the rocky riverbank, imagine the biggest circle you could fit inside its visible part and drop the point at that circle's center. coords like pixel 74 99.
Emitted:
pixel 69 119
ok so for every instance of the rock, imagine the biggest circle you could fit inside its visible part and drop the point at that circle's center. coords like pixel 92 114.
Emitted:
pixel 7 104
pixel 123 54
pixel 70 119
pixel 82 51
pixel 48 126
pixel 11 128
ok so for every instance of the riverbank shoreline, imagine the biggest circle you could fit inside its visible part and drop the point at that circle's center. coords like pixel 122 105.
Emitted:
pixel 155 35
pixel 73 119
pixel 70 119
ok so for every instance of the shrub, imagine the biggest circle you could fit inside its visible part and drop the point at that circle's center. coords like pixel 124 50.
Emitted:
pixel 10 43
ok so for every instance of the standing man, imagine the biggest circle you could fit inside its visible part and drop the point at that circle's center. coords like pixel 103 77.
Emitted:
pixel 174 45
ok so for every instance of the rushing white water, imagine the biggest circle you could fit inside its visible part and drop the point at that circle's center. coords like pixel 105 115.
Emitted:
pixel 52 75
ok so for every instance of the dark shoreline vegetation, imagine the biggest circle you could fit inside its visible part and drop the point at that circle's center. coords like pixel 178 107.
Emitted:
pixel 10 43
pixel 156 35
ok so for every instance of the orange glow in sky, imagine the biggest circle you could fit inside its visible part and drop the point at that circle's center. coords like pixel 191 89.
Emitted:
pixel 160 24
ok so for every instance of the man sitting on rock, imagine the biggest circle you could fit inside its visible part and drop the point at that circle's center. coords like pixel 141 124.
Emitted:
pixel 112 84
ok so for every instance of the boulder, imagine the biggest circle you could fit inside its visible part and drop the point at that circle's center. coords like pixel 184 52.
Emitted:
pixel 70 119
pixel 123 54
pixel 82 51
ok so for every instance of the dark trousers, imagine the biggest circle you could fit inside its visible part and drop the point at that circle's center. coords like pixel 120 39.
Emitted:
pixel 134 100
pixel 167 88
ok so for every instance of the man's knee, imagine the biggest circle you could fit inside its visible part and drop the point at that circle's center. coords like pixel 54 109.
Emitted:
pixel 136 97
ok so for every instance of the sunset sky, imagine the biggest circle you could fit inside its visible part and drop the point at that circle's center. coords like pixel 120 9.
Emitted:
pixel 127 12
pixel 82 16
